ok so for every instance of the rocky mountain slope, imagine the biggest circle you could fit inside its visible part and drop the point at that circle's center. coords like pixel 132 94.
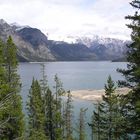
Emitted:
pixel 61 51
pixel 33 45
pixel 71 52
pixel 105 48
pixel 26 52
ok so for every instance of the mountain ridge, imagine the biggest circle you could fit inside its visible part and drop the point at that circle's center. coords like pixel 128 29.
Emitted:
pixel 33 45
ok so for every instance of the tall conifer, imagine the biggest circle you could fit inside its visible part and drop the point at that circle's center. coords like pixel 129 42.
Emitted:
pixel 81 125
pixel 68 117
pixel 108 120
pixel 58 117
pixel 132 73
pixel 14 127
pixel 4 96
pixel 36 116
pixel 97 123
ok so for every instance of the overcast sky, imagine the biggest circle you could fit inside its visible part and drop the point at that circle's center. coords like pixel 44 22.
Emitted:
pixel 70 17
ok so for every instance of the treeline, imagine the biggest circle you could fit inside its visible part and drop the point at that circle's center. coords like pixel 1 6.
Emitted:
pixel 11 116
pixel 50 115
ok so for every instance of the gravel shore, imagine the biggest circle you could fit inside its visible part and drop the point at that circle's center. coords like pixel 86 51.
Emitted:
pixel 95 95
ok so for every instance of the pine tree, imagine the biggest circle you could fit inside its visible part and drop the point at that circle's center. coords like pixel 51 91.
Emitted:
pixel 132 73
pixel 114 117
pixel 109 102
pixel 49 105
pixel 81 124
pixel 97 123
pixel 50 122
pixel 45 98
pixel 36 116
pixel 109 122
pixel 68 116
pixel 59 92
pixel 14 127
pixel 3 84
pixel 4 97
pixel 1 62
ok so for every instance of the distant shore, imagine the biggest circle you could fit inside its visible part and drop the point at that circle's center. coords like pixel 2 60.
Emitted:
pixel 94 95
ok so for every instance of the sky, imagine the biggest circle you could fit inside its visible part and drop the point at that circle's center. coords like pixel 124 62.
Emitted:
pixel 62 18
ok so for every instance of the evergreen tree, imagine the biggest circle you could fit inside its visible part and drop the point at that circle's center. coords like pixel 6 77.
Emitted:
pixel 109 122
pixel 14 127
pixel 45 92
pixel 3 84
pixel 43 81
pixel 68 115
pixel 2 45
pixel 49 106
pixel 81 124
pixel 36 116
pixel 59 92
pixel 52 107
pixel 132 73
pixel 109 102
pixel 4 97
pixel 114 117
pixel 97 123
pixel 50 122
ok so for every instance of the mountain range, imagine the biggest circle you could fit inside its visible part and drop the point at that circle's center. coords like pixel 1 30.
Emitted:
pixel 33 45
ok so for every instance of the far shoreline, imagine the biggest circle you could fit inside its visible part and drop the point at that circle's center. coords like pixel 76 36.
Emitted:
pixel 69 61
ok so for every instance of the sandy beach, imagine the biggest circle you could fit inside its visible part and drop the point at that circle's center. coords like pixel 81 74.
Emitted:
pixel 94 95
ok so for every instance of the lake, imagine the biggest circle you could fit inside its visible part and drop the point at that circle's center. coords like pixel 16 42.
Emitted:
pixel 74 75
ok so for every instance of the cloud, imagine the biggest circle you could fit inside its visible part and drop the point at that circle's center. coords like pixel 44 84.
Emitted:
pixel 70 17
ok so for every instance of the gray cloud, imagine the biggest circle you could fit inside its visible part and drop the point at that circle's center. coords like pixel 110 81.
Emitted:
pixel 69 17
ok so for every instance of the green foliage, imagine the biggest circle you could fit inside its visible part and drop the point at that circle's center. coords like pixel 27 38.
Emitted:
pixel 108 120
pixel 68 116
pixel 49 115
pixel 37 135
pixel 10 100
pixel 58 117
pixel 36 116
pixel 132 73
pixel 81 124
pixel 97 122
pixel 2 70
pixel 52 104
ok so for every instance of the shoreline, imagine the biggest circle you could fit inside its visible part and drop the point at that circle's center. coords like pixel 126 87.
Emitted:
pixel 94 95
